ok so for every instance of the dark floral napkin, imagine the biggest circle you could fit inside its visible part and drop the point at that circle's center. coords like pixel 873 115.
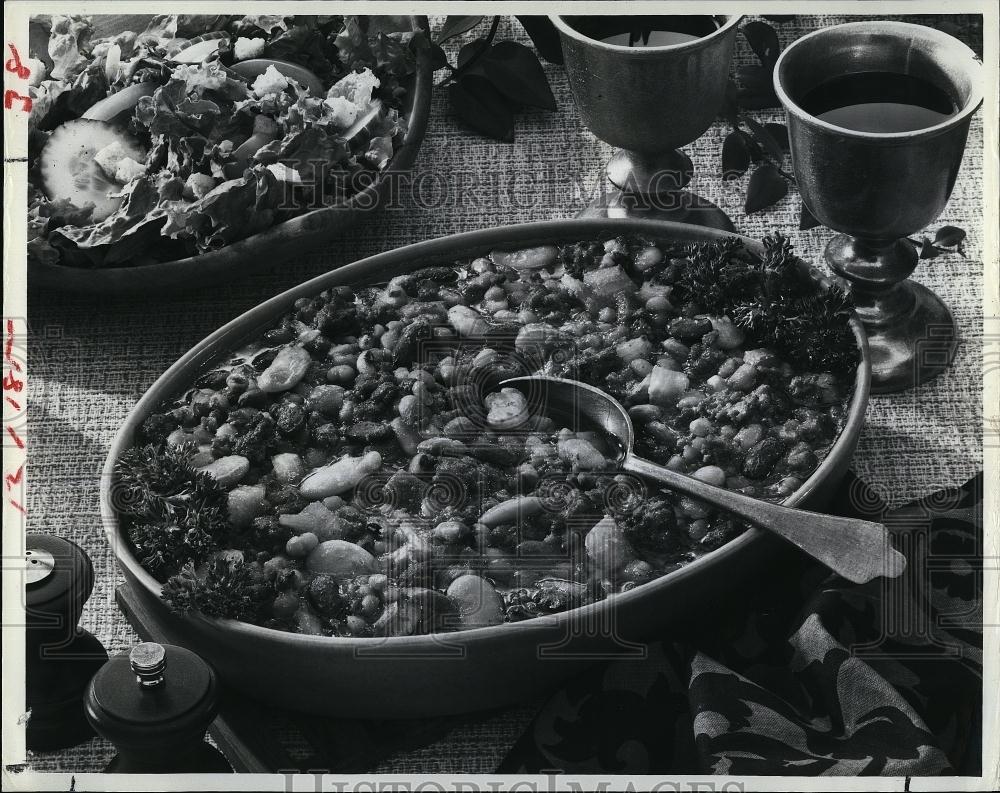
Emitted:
pixel 809 675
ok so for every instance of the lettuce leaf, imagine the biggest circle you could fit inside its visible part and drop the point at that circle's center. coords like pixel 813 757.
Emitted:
pixel 121 235
pixel 232 211
pixel 352 44
pixel 311 152
pixel 305 45
pixel 57 101
pixel 68 36
pixel 169 111
pixel 267 23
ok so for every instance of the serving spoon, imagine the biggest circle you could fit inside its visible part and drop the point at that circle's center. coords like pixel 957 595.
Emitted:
pixel 858 550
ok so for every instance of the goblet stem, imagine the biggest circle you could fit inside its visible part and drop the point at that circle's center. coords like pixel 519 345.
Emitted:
pixel 911 333
pixel 650 186
pixel 650 174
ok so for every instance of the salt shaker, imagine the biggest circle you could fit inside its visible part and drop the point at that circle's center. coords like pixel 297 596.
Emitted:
pixel 155 706
pixel 61 657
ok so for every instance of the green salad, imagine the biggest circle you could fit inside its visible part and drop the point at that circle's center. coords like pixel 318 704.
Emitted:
pixel 199 131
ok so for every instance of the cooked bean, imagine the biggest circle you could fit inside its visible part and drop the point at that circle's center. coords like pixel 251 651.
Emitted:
pixel 442 446
pixel 666 386
pixel 227 471
pixel 527 258
pixel 286 370
pixel 287 467
pixel 244 503
pixel 339 477
pixel 340 560
pixel 607 547
pixel 744 378
pixel 326 399
pixel 301 545
pixel 648 258
pixel 512 510
pixel 711 474
pixel 507 409
pixel 581 454
pixel 476 602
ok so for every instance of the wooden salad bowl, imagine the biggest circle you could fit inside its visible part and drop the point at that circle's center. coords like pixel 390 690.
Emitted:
pixel 418 676
pixel 298 235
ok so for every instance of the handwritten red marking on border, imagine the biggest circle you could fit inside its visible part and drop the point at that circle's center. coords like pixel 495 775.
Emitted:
pixel 11 383
pixel 14 64
pixel 8 350
pixel 17 438
pixel 15 478
pixel 10 96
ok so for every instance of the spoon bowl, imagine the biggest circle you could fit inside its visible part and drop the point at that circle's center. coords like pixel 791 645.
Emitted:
pixel 858 550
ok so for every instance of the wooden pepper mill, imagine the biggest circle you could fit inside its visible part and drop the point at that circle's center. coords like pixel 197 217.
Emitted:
pixel 155 706
pixel 61 657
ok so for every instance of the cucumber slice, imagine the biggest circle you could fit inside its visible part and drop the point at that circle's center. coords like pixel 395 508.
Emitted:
pixel 117 108
pixel 68 169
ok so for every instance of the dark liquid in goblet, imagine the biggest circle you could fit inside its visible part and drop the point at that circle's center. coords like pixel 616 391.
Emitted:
pixel 879 102
pixel 645 31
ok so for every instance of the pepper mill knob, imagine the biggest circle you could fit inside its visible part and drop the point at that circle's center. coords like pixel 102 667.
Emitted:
pixel 60 656
pixel 155 705
pixel 148 660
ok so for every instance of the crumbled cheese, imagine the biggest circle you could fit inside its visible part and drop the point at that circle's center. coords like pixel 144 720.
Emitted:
pixel 109 157
pixel 342 112
pixel 356 87
pixel 270 82
pixel 200 76
pixel 128 169
pixel 38 72
pixel 284 173
pixel 198 185
pixel 248 48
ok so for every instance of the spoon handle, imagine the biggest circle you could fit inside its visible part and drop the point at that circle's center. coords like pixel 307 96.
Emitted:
pixel 857 550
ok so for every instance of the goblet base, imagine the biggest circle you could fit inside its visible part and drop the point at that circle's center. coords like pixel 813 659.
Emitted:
pixel 917 347
pixel 683 207
pixel 911 333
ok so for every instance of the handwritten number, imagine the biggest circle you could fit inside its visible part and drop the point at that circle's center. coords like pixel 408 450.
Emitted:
pixel 14 64
pixel 9 97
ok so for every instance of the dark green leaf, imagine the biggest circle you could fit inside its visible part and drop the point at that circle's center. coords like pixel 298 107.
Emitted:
pixel 730 107
pixel 456 26
pixel 517 74
pixel 735 155
pixel 764 138
pixel 763 41
pixel 478 104
pixel 806 219
pixel 756 78
pixel 928 250
pixel 544 36
pixel 470 52
pixel 949 236
pixel 780 133
pixel 756 152
pixel 754 100
pixel 438 59
pixel 766 189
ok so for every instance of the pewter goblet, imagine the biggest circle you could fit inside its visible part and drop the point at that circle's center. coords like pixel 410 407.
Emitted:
pixel 877 188
pixel 648 101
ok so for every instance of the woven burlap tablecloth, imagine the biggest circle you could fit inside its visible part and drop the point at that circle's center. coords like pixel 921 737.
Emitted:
pixel 91 358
